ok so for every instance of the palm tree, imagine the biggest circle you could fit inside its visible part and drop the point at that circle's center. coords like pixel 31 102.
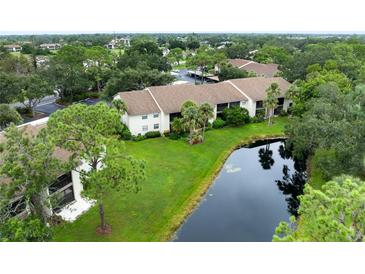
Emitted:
pixel 120 106
pixel 191 118
pixel 177 125
pixel 206 112
pixel 271 101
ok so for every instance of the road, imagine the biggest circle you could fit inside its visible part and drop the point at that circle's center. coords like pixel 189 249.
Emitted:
pixel 49 105
pixel 181 75
pixel 46 100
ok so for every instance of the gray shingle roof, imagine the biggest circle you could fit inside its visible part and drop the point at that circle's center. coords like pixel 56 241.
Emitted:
pixel 171 98
pixel 139 102
pixel 267 70
pixel 239 62
pixel 256 87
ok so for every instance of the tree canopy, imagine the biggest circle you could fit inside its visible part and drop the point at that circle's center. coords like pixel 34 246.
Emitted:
pixel 227 72
pixel 333 214
pixel 67 72
pixel 87 132
pixel 332 129
pixel 30 163
pixel 8 115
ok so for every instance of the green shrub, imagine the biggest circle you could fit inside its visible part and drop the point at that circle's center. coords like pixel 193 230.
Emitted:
pixel 283 113
pixel 230 72
pixel 24 110
pixel 174 136
pixel 236 116
pixel 138 138
pixel 125 134
pixel 94 95
pixel 152 134
pixel 8 115
pixel 218 123
pixel 259 117
pixel 29 230
pixel 63 101
pixel 86 95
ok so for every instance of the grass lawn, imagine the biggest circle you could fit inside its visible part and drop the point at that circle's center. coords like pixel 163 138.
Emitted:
pixel 177 175
pixel 178 67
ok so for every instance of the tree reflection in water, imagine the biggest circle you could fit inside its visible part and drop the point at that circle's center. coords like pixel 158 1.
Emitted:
pixel 292 185
pixel 265 157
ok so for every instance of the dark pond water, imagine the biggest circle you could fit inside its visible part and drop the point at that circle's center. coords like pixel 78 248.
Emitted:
pixel 255 190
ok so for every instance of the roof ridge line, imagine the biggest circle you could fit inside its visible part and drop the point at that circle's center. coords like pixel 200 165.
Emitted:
pixel 154 99
pixel 238 89
pixel 250 62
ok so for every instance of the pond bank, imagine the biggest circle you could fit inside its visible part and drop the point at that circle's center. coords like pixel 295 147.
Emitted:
pixel 257 188
pixel 196 198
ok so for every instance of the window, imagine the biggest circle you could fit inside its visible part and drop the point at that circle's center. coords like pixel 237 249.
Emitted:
pixel 144 117
pixel 221 107
pixel 156 126
pixel 60 183
pixel 175 115
pixel 260 112
pixel 155 115
pixel 144 128
pixel 63 198
pixel 280 101
pixel 16 207
pixel 259 104
pixel 278 110
pixel 234 104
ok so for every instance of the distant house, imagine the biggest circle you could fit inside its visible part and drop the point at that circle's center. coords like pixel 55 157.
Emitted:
pixel 165 52
pixel 13 48
pixel 115 43
pixel 50 46
pixel 223 44
pixel 266 70
pixel 253 52
pixel 154 108
pixel 67 187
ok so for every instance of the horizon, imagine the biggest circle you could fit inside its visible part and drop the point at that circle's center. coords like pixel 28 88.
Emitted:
pixel 25 33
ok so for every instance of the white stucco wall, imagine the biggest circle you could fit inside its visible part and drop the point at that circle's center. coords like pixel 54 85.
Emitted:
pixel 286 104
pixel 250 106
pixel 135 123
pixel 125 119
pixel 165 122
pixel 76 181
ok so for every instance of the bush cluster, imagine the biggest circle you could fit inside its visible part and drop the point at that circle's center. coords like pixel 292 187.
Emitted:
pixel 259 117
pixel 148 135
pixel 124 132
pixel 138 137
pixel 152 134
pixel 218 123
pixel 236 116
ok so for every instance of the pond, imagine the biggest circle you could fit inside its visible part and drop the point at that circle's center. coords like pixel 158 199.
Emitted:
pixel 257 188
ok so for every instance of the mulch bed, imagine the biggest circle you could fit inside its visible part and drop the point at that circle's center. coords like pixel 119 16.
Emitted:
pixel 107 230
